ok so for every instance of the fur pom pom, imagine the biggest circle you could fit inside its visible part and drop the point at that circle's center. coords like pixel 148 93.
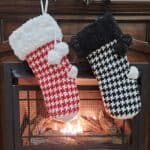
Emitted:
pixel 133 73
pixel 62 48
pixel 73 72
pixel 54 57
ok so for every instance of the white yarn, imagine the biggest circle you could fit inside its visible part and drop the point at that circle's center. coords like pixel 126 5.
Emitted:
pixel 44 10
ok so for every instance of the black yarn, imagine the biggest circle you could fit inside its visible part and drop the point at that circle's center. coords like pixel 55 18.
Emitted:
pixel 127 39
pixel 122 44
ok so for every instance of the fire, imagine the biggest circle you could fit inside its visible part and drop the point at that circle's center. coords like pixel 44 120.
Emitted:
pixel 72 129
pixel 55 127
pixel 94 118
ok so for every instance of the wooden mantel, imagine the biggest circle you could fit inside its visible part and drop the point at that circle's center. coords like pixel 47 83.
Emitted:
pixel 72 15
pixel 74 7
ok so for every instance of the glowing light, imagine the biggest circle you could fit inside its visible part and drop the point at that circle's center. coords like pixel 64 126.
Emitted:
pixel 72 129
pixel 55 127
pixel 94 117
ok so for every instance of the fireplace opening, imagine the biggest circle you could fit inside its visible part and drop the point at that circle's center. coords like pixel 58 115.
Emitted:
pixel 27 126
pixel 92 126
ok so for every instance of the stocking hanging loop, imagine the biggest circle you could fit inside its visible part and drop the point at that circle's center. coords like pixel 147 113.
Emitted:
pixel 44 9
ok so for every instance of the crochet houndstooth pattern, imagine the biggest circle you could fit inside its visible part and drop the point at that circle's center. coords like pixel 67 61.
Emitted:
pixel 120 94
pixel 59 91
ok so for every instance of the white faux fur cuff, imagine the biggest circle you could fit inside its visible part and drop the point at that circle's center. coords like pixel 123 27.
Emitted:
pixel 33 34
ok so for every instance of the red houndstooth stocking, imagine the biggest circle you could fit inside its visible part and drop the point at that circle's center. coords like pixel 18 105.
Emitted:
pixel 35 42
pixel 59 90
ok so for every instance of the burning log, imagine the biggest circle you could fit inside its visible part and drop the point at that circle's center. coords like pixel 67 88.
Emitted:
pixel 105 123
pixel 91 127
pixel 54 140
pixel 90 124
pixel 46 124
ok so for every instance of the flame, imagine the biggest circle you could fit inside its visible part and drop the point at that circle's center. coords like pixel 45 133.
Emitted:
pixel 55 127
pixel 72 129
pixel 94 118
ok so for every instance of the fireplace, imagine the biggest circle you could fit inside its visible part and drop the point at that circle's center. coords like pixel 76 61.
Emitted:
pixel 27 126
